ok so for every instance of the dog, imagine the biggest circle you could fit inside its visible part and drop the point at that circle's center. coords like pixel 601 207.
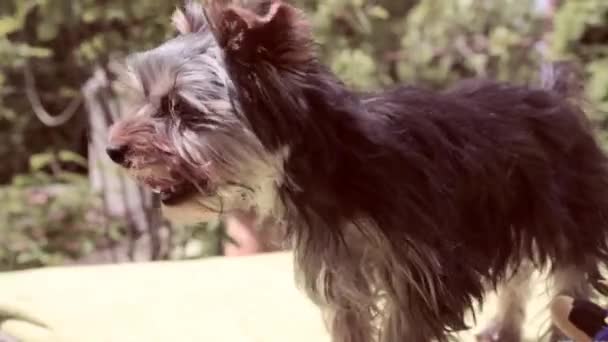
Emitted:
pixel 401 205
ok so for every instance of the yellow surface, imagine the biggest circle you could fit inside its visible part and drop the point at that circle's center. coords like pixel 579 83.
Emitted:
pixel 246 299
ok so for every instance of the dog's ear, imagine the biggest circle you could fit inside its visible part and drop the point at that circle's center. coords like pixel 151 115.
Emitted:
pixel 190 18
pixel 273 31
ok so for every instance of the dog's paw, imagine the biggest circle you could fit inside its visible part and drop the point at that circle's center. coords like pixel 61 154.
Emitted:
pixel 498 332
pixel 556 335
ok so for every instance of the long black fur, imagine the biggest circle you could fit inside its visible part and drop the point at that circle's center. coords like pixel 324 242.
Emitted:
pixel 484 175
pixel 403 204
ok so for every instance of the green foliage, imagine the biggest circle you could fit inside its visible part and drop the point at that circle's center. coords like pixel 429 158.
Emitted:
pixel 49 219
pixel 62 41
pixel 581 35
pixel 198 241
pixel 355 37
pixel 431 42
pixel 447 40
pixel 354 34
pixel 368 43
pixel 12 53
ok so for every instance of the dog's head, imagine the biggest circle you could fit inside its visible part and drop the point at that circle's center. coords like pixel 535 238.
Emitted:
pixel 191 132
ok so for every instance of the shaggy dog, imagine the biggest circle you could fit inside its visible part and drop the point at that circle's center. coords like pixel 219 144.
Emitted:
pixel 401 205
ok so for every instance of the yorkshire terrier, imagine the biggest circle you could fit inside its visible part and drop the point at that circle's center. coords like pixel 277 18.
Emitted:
pixel 402 205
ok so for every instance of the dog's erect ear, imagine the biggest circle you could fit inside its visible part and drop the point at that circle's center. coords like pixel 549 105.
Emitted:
pixel 273 31
pixel 190 18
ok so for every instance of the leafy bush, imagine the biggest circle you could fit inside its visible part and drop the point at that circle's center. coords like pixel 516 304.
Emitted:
pixel 428 42
pixel 62 41
pixel 444 41
pixel 198 241
pixel 50 219
pixel 368 43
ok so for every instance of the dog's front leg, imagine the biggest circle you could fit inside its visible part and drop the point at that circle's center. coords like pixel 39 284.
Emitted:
pixel 393 324
pixel 348 325
pixel 572 281
pixel 512 299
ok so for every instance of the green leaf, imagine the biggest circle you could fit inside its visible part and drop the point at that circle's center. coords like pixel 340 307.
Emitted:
pixel 71 157
pixel 598 82
pixel 92 14
pixel 40 160
pixel 47 30
pixel 25 50
pixel 9 25
pixel 378 12
pixel 87 247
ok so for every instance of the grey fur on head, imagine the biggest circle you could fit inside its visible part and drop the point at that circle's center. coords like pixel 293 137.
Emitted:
pixel 190 19
pixel 187 129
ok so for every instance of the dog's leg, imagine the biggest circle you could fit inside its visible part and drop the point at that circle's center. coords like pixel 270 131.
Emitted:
pixel 241 230
pixel 571 281
pixel 346 325
pixel 512 299
pixel 402 325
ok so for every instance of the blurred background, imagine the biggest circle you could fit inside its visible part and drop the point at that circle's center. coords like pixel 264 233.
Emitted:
pixel 61 200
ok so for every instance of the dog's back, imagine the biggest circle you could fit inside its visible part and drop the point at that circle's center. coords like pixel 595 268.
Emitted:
pixel 516 175
pixel 557 174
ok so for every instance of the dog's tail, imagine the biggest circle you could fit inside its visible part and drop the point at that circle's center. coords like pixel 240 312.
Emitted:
pixel 563 78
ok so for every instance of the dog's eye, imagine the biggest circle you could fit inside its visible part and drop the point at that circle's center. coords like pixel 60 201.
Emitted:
pixel 166 106
pixel 173 105
pixel 176 107
pixel 182 108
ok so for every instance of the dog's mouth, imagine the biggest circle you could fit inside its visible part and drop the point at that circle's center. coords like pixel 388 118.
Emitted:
pixel 174 194
pixel 169 187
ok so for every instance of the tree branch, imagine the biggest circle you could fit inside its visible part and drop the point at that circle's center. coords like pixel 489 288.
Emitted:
pixel 42 114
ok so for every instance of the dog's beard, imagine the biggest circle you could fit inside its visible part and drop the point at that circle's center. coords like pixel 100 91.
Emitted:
pixel 200 172
pixel 191 193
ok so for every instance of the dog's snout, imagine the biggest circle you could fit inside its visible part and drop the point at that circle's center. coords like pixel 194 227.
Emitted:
pixel 117 153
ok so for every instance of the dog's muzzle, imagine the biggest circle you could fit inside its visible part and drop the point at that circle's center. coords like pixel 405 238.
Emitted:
pixel 118 154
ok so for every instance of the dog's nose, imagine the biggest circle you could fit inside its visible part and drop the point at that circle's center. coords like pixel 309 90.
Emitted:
pixel 117 153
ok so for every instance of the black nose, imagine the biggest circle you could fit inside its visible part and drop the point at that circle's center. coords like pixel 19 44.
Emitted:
pixel 117 153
